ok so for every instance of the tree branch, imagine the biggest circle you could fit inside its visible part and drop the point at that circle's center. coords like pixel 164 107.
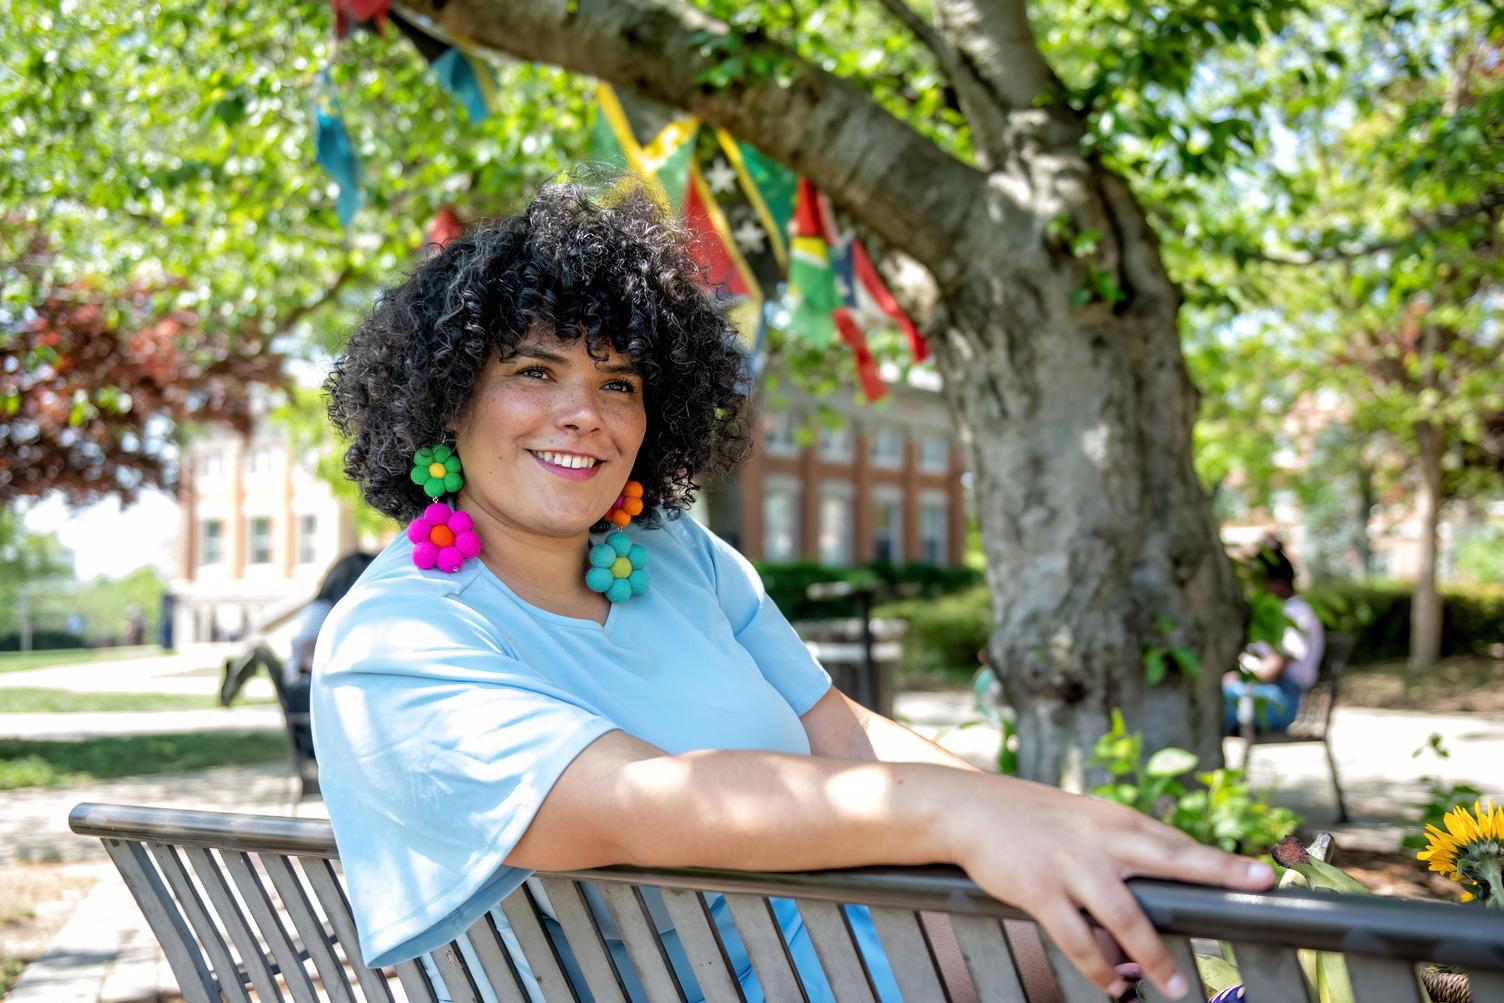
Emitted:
pixel 827 128
pixel 931 39
pixel 303 310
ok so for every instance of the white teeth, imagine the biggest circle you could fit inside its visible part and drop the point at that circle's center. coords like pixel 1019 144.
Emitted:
pixel 568 460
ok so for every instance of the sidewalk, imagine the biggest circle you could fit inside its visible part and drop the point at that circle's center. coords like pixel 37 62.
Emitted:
pixel 194 671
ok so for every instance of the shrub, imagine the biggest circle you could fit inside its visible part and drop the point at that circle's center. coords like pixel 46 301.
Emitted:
pixel 944 634
pixel 787 581
pixel 1378 615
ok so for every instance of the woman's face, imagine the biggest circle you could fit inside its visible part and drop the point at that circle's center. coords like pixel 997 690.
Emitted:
pixel 551 435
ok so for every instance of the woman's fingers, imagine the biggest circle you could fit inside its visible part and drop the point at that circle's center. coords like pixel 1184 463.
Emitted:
pixel 1108 899
pixel 1070 932
pixel 1170 853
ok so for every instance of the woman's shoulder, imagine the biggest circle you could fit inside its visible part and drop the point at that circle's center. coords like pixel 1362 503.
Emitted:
pixel 393 593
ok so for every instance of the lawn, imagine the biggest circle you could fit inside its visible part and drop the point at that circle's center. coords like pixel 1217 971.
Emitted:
pixel 26 700
pixel 16 661
pixel 26 763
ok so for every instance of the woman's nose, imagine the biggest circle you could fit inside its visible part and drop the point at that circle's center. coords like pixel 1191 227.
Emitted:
pixel 579 409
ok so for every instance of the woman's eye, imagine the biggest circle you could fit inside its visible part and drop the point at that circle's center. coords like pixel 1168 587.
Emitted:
pixel 533 372
pixel 623 385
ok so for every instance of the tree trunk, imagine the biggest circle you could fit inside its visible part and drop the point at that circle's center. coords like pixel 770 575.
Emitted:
pixel 1095 527
pixel 1425 608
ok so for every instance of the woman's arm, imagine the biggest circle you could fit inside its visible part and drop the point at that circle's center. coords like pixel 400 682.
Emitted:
pixel 841 728
pixel 1047 852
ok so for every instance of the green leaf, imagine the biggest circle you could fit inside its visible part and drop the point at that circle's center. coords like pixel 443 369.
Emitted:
pixel 1170 762
pixel 1154 666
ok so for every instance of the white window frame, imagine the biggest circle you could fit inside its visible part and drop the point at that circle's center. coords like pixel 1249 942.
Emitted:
pixel 780 432
pixel 204 560
pixel 881 457
pixel 930 462
pixel 930 501
pixel 834 444
pixel 781 487
pixel 888 495
pixel 308 543
pixel 842 555
pixel 250 540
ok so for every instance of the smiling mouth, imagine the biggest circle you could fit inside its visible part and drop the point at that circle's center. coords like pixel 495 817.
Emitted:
pixel 570 461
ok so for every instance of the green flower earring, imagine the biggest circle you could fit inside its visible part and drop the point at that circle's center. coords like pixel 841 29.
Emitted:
pixel 436 469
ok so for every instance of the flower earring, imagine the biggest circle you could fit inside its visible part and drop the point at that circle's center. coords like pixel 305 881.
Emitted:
pixel 442 537
pixel 617 565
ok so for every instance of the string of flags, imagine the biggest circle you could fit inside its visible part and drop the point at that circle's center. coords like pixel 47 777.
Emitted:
pixel 779 226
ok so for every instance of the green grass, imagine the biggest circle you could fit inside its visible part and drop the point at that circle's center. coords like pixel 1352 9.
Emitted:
pixel 16 661
pixel 27 700
pixel 27 763
pixel 10 970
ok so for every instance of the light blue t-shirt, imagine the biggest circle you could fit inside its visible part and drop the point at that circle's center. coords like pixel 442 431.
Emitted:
pixel 445 708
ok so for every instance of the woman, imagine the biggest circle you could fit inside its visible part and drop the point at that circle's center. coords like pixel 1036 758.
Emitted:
pixel 483 709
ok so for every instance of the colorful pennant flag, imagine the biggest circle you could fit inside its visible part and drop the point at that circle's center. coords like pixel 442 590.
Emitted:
pixel 864 293
pixel 334 152
pixel 714 249
pixel 812 280
pixel 462 73
pixel 769 187
pixel 444 227
pixel 352 14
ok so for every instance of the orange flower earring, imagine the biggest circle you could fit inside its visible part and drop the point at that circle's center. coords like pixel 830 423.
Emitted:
pixel 617 565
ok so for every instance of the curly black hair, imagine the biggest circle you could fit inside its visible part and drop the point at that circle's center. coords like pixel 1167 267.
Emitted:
pixel 603 262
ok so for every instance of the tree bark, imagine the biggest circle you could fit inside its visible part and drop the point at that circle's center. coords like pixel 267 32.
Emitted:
pixel 1425 607
pixel 1077 418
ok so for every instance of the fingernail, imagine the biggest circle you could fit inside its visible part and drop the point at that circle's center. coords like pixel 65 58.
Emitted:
pixel 1176 986
pixel 1260 871
pixel 1117 989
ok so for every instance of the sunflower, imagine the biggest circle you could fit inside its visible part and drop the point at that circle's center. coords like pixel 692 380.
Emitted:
pixel 1471 851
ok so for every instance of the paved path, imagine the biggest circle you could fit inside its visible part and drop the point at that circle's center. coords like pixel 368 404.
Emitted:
pixel 194 672
pixel 79 726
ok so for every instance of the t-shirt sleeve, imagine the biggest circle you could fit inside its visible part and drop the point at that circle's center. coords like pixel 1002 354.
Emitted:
pixel 436 748
pixel 758 623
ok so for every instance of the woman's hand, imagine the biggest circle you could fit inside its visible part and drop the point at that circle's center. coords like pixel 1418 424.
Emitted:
pixel 1053 854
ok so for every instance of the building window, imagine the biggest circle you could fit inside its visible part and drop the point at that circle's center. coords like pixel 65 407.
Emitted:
pixel 308 539
pixel 835 443
pixel 211 465
pixel 780 522
pixel 887 446
pixel 933 512
pixel 258 461
pixel 212 543
pixel 835 526
pixel 261 540
pixel 779 435
pixel 887 527
pixel 934 454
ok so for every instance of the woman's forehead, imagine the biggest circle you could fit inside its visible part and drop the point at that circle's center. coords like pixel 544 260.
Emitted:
pixel 546 340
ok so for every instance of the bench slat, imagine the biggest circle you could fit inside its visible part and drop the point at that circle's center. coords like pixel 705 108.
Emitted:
pixel 830 933
pixel 585 939
pixel 1074 987
pixel 758 928
pixel 326 888
pixel 1382 980
pixel 304 920
pixel 242 935
pixel 988 958
pixel 1270 973
pixel 415 983
pixel 1180 951
pixel 450 961
pixel 496 960
pixel 225 969
pixel 522 916
pixel 641 939
pixel 706 953
pixel 908 953
pixel 165 920
pixel 253 893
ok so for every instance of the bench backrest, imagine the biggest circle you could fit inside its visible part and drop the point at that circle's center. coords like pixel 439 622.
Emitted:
pixel 252 907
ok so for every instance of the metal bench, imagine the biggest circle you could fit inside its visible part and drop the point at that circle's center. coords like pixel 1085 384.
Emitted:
pixel 201 879
pixel 1313 719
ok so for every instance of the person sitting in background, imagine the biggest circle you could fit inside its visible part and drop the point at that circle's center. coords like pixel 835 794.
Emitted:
pixel 342 574
pixel 1281 675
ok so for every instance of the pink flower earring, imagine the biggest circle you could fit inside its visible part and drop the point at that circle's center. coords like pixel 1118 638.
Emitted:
pixel 442 537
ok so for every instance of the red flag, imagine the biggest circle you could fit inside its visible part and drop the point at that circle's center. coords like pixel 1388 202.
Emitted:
pixel 872 283
pixel 444 227
pixel 873 387
pixel 351 14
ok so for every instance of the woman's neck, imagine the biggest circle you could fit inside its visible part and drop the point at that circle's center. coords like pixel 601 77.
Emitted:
pixel 547 571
